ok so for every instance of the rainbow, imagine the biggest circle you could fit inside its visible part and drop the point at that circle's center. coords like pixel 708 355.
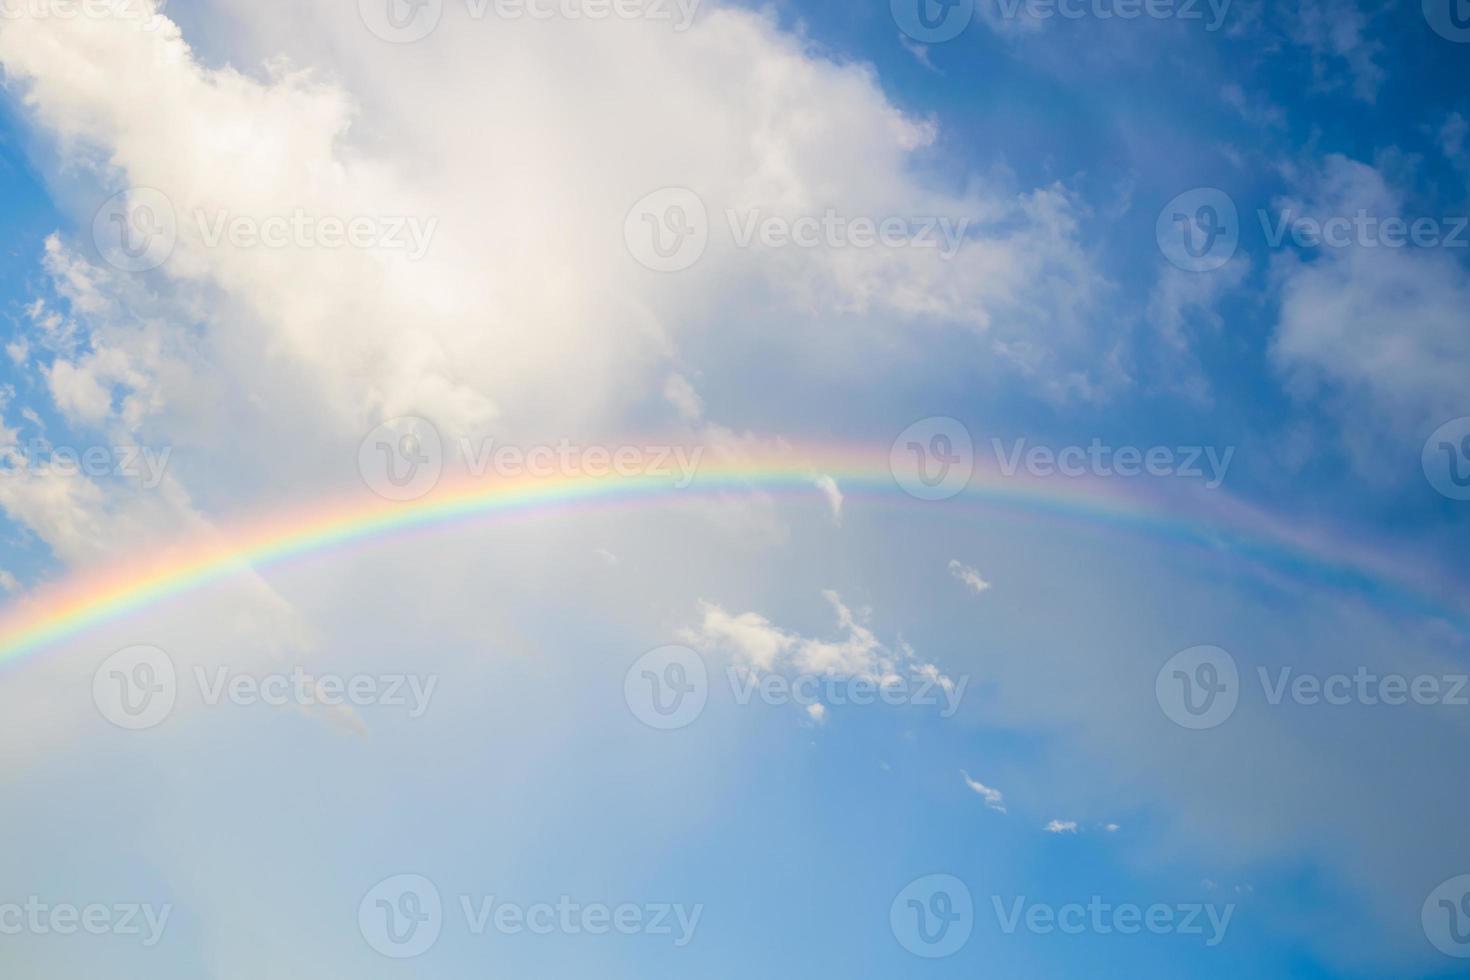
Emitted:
pixel 51 614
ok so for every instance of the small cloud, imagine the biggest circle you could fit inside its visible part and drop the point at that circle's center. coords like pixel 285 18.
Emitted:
pixel 993 797
pixel 830 490
pixel 919 51
pixel 968 575
pixel 818 712
pixel 606 557
pixel 1062 827
pixel 1111 828
pixel 8 582
pixel 1259 112
pixel 681 394
pixel 18 351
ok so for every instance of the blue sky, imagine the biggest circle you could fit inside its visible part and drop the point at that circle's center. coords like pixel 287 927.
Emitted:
pixel 269 376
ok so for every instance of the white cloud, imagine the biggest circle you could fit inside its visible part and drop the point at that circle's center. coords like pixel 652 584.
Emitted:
pixel 919 51
pixel 1379 329
pixel 749 635
pixel 993 797
pixel 1258 111
pixel 1336 32
pixel 79 393
pixel 681 394
pixel 8 581
pixel 830 490
pixel 761 646
pixel 552 174
pixel 1182 306
pixel 969 576
pixel 66 511
pixel 1061 827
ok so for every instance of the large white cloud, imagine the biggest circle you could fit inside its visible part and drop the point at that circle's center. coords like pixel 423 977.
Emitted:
pixel 1378 327
pixel 526 143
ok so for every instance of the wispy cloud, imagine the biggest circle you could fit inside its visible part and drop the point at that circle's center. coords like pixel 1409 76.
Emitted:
pixel 969 576
pixel 830 490
pixel 993 797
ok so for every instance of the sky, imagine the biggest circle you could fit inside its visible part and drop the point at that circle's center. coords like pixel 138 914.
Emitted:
pixel 667 488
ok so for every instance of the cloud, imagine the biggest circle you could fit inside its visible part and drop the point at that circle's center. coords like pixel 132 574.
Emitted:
pixel 1184 310
pixel 993 797
pixel 763 647
pixel 1258 112
pixel 1333 340
pixel 919 51
pixel 969 576
pixel 829 489
pixel 1061 827
pixel 67 511
pixel 382 335
pixel 1336 34
pixel 681 394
